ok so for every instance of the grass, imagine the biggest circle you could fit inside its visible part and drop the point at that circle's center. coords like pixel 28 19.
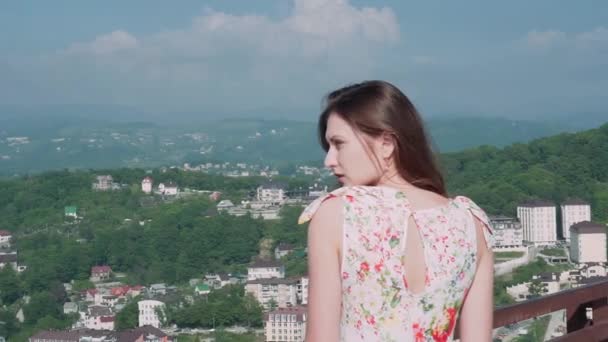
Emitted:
pixel 559 252
pixel 508 255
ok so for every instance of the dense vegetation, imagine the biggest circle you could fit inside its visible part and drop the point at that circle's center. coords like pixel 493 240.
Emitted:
pixel 554 168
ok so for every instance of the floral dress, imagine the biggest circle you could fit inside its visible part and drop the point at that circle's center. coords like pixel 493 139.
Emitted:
pixel 376 303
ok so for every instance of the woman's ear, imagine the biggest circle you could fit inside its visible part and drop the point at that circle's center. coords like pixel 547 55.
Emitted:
pixel 387 145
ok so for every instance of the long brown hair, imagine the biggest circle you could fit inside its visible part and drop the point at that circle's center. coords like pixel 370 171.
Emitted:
pixel 376 108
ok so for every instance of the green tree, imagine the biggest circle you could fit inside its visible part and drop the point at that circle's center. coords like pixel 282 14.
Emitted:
pixel 128 317
pixel 536 288
pixel 10 286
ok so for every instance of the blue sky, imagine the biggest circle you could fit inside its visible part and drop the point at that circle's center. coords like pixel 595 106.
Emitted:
pixel 279 57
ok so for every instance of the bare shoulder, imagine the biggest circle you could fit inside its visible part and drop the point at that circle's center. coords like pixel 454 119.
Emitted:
pixel 484 246
pixel 326 225
pixel 329 213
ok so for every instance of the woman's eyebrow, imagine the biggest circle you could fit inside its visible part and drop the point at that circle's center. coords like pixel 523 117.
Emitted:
pixel 335 137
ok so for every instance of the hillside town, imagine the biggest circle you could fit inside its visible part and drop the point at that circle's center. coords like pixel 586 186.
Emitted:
pixel 579 245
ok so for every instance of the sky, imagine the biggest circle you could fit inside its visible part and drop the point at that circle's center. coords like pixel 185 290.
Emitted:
pixel 235 58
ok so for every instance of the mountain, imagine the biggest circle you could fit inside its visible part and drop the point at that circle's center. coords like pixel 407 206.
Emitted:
pixel 32 142
pixel 552 168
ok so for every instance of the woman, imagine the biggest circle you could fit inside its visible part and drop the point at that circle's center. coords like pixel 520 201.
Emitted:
pixel 391 257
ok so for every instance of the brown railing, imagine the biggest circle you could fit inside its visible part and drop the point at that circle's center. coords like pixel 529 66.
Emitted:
pixel 575 302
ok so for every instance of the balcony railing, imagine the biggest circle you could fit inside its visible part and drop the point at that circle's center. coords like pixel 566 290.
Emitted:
pixel 580 303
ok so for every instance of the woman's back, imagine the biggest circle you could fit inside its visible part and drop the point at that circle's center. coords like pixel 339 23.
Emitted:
pixel 380 229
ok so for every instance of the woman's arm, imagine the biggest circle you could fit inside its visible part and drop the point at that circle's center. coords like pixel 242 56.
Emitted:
pixel 478 308
pixel 324 255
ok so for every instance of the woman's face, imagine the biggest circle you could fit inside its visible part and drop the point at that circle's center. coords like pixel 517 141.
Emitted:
pixel 351 161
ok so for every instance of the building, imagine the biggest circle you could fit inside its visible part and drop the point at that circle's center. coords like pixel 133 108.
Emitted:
pixel 539 222
pixel 70 307
pixel 202 289
pixel 103 183
pixel 302 284
pixel 220 280
pixel 286 324
pixel 265 269
pixel 53 336
pixel 5 238
pixel 150 312
pixel 8 259
pixel 280 292
pixel 215 196
pixel 146 185
pixel 574 211
pixel 98 317
pixel 71 211
pixel 282 250
pixel 159 289
pixel 106 299
pixel 271 192
pixel 588 242
pixel 549 282
pixel 224 205
pixel 508 231
pixel 100 273
pixel 145 333
pixel 170 189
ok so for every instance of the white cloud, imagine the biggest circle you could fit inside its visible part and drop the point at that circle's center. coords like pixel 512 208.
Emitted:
pixel 544 39
pixel 106 44
pixel 596 37
pixel 321 44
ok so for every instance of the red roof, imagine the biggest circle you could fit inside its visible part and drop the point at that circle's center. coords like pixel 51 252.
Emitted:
pixel 101 269
pixel 5 233
pixel 92 292
pixel 120 290
pixel 106 319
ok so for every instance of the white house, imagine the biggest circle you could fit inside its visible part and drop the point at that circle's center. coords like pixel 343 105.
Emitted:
pixel 105 299
pixel 539 222
pixel 265 269
pixel 286 324
pixel 70 307
pixel 282 250
pixel 171 189
pixel 224 205
pixel 508 231
pixel 219 280
pixel 98 317
pixel 303 290
pixel 149 311
pixel 271 192
pixel 9 259
pixel 588 242
pixel 283 292
pixel 574 211
pixel 5 238
pixel 100 273
pixel 146 185
pixel 103 183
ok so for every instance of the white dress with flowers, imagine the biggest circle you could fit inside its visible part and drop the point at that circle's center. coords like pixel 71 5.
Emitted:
pixel 376 303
